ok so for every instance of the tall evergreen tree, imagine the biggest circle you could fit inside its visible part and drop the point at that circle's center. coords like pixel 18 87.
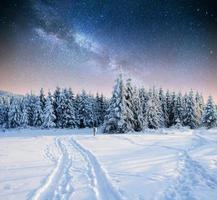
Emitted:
pixel 138 119
pixel 199 107
pixel 178 110
pixel 24 111
pixel 14 113
pixel 129 100
pixel 163 103
pixel 56 106
pixel 190 115
pixel 4 108
pixel 116 118
pixel 42 99
pixel 48 114
pixel 37 113
pixel 144 97
pixel 168 110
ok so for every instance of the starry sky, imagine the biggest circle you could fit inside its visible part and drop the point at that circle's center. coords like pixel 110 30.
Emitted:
pixel 86 43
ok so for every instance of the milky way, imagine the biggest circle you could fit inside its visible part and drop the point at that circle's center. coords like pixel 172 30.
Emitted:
pixel 85 44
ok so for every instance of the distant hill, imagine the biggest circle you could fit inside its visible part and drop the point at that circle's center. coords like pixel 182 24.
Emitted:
pixel 5 93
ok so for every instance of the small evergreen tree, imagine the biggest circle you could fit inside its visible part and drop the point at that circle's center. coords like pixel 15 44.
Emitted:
pixel 209 117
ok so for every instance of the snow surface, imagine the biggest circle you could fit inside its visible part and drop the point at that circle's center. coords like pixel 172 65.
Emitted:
pixel 73 164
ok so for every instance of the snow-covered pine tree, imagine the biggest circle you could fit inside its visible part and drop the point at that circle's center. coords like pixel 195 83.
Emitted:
pixel 97 110
pixel 144 97
pixel 190 114
pixel 56 104
pixel 209 117
pixel 61 102
pixel 199 107
pixel 84 110
pixel 154 112
pixel 71 106
pixel 14 113
pixel 48 114
pixel 42 99
pixel 168 100
pixel 171 109
pixel 68 111
pixel 30 106
pixel 24 111
pixel 163 102
pixel 178 110
pixel 116 119
pixel 129 100
pixel 4 108
pixel 78 119
pixel 37 113
pixel 100 109
pixel 138 119
pixel 90 105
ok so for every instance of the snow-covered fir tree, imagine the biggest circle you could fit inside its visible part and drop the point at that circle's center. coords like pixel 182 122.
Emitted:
pixel 30 106
pixel 42 99
pixel 138 119
pixel 209 117
pixel 48 114
pixel 171 109
pixel 24 111
pixel 199 107
pixel 56 105
pixel 163 102
pixel 190 113
pixel 154 112
pixel 84 110
pixel 129 109
pixel 168 110
pixel 144 97
pixel 100 109
pixel 4 108
pixel 116 118
pixel 37 113
pixel 178 110
pixel 68 111
pixel 14 113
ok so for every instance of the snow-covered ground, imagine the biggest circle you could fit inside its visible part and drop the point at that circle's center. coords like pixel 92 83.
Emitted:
pixel 73 164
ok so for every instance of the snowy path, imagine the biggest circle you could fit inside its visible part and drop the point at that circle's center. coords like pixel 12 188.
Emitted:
pixel 180 166
pixel 59 184
pixel 103 187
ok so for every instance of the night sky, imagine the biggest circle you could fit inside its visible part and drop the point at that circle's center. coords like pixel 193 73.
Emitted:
pixel 85 44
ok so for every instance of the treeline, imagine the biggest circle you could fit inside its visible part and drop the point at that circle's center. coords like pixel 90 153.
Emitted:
pixel 129 109
pixel 62 109
pixel 132 109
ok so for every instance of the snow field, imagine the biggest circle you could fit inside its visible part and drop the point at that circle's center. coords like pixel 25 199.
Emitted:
pixel 72 164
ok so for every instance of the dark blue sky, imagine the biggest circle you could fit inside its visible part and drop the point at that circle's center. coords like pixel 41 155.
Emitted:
pixel 83 44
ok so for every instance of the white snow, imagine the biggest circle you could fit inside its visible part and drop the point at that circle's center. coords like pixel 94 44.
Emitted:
pixel 73 164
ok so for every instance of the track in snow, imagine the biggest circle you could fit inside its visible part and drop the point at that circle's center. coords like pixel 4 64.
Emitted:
pixel 191 175
pixel 57 185
pixel 103 187
pixel 60 183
